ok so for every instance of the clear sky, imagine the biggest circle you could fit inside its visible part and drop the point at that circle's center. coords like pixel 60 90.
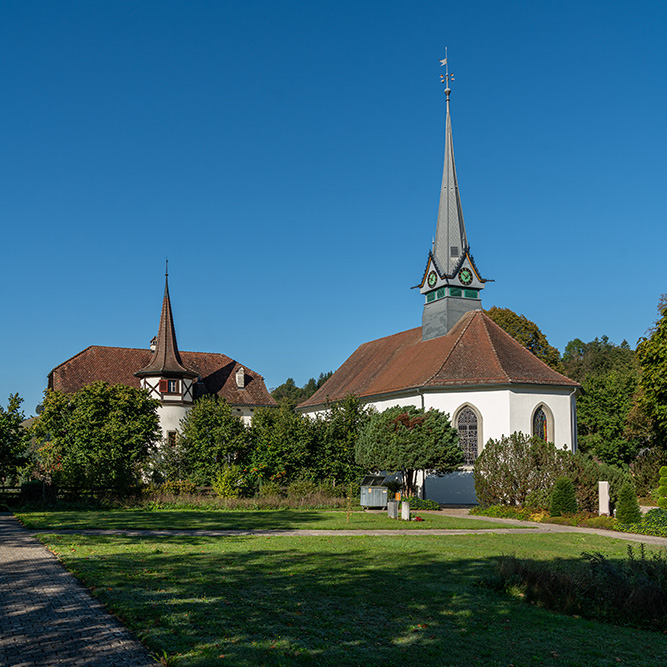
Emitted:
pixel 287 157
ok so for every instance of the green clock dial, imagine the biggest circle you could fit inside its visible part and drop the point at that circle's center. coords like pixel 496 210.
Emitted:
pixel 432 279
pixel 465 276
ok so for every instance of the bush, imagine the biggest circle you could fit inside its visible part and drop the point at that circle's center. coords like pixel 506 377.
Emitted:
pixel 627 509
pixel 228 482
pixel 269 488
pixel 662 489
pixel 645 470
pixel 563 500
pixel 301 489
pixel 629 592
pixel 421 504
pixel 179 487
pixel 508 469
pixel 585 473
pixel 540 499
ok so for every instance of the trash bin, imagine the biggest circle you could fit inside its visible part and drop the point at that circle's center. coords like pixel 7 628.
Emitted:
pixel 373 493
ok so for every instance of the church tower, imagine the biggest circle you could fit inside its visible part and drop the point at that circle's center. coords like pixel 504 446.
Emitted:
pixel 451 282
pixel 165 377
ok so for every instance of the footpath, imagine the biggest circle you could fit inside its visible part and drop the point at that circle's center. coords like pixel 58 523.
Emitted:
pixel 47 618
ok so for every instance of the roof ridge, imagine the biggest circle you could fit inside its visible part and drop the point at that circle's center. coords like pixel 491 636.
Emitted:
pixel 451 350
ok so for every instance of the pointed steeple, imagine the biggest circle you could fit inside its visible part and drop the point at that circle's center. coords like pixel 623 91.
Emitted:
pixel 450 236
pixel 451 281
pixel 166 360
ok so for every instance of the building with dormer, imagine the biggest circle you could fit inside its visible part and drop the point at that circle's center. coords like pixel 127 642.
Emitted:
pixel 175 378
pixel 459 361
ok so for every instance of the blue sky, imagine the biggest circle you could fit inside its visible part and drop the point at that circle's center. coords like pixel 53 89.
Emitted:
pixel 287 158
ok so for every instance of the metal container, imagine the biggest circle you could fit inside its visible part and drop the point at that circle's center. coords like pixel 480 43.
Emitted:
pixel 373 493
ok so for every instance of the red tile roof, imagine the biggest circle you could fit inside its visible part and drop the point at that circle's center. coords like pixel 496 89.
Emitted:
pixel 475 352
pixel 117 365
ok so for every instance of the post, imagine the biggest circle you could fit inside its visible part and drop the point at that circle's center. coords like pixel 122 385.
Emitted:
pixel 392 509
pixel 405 511
pixel 604 506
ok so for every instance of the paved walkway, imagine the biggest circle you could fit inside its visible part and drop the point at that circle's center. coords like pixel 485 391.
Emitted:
pixel 47 618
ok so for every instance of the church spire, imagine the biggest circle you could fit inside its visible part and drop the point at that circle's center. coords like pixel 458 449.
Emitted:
pixel 450 236
pixel 451 281
pixel 166 360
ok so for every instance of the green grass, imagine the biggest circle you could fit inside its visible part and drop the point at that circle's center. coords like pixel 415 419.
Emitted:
pixel 360 600
pixel 241 520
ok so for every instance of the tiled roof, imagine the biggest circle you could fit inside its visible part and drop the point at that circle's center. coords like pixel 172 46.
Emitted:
pixel 117 365
pixel 475 352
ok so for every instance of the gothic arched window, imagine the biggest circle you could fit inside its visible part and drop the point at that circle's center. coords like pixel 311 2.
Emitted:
pixel 468 437
pixel 540 424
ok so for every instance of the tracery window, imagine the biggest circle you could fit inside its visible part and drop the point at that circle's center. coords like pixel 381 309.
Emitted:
pixel 468 436
pixel 540 424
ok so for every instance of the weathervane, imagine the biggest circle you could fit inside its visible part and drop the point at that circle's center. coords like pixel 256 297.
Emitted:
pixel 446 77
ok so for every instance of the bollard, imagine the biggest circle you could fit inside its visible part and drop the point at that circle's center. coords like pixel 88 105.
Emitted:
pixel 405 511
pixel 392 509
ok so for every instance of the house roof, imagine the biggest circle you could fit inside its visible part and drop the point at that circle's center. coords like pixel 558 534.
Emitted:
pixel 167 360
pixel 475 352
pixel 118 365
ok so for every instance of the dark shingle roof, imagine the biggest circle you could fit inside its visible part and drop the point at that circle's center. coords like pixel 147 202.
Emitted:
pixel 118 365
pixel 475 352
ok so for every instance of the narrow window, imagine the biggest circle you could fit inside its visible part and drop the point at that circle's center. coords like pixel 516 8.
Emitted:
pixel 440 293
pixel 455 291
pixel 172 387
pixel 467 427
pixel 470 293
pixel 430 297
pixel 171 438
pixel 540 424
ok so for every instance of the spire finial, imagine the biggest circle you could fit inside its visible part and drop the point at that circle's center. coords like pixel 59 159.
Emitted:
pixel 446 77
pixel 166 267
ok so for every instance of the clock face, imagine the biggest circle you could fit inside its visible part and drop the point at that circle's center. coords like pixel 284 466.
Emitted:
pixel 465 276
pixel 432 279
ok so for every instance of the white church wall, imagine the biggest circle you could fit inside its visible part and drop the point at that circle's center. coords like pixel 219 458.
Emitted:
pixel 170 417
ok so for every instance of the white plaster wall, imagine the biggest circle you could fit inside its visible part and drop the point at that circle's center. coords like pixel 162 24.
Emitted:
pixel 170 417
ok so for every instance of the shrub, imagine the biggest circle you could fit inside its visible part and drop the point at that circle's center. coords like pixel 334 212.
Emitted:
pixel 421 504
pixel 539 499
pixel 508 469
pixel 269 488
pixel 645 470
pixel 228 482
pixel 563 500
pixel 627 509
pixel 662 489
pixel 178 487
pixel 585 473
pixel 301 489
pixel 629 592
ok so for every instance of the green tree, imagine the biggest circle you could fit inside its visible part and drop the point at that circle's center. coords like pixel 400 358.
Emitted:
pixel 528 334
pixel 652 356
pixel 12 438
pixel 290 395
pixel 281 443
pixel 563 500
pixel 98 438
pixel 408 439
pixel 627 508
pixel 609 377
pixel 210 437
pixel 336 433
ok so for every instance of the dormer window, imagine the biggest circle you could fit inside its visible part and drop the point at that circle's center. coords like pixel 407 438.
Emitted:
pixel 240 378
pixel 170 386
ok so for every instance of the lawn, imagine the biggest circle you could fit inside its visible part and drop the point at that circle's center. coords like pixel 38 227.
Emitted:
pixel 360 600
pixel 242 520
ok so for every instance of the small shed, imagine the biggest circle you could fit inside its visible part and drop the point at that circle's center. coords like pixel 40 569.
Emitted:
pixel 373 491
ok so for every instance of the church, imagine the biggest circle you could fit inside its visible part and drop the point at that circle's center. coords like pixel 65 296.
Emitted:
pixel 174 378
pixel 459 361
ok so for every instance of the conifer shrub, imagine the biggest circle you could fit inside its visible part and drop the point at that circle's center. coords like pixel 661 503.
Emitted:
pixel 563 500
pixel 228 482
pixel 662 489
pixel 627 508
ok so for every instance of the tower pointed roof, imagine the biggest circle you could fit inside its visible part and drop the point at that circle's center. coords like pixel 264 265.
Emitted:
pixel 451 242
pixel 166 360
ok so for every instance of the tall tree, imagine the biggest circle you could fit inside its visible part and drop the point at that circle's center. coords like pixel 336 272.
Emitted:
pixel 210 438
pixel 290 395
pixel 12 438
pixel 527 333
pixel 652 356
pixel 99 437
pixel 609 376
pixel 406 440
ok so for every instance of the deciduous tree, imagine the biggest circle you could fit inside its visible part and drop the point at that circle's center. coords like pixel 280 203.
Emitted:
pixel 408 439
pixel 12 438
pixel 99 437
